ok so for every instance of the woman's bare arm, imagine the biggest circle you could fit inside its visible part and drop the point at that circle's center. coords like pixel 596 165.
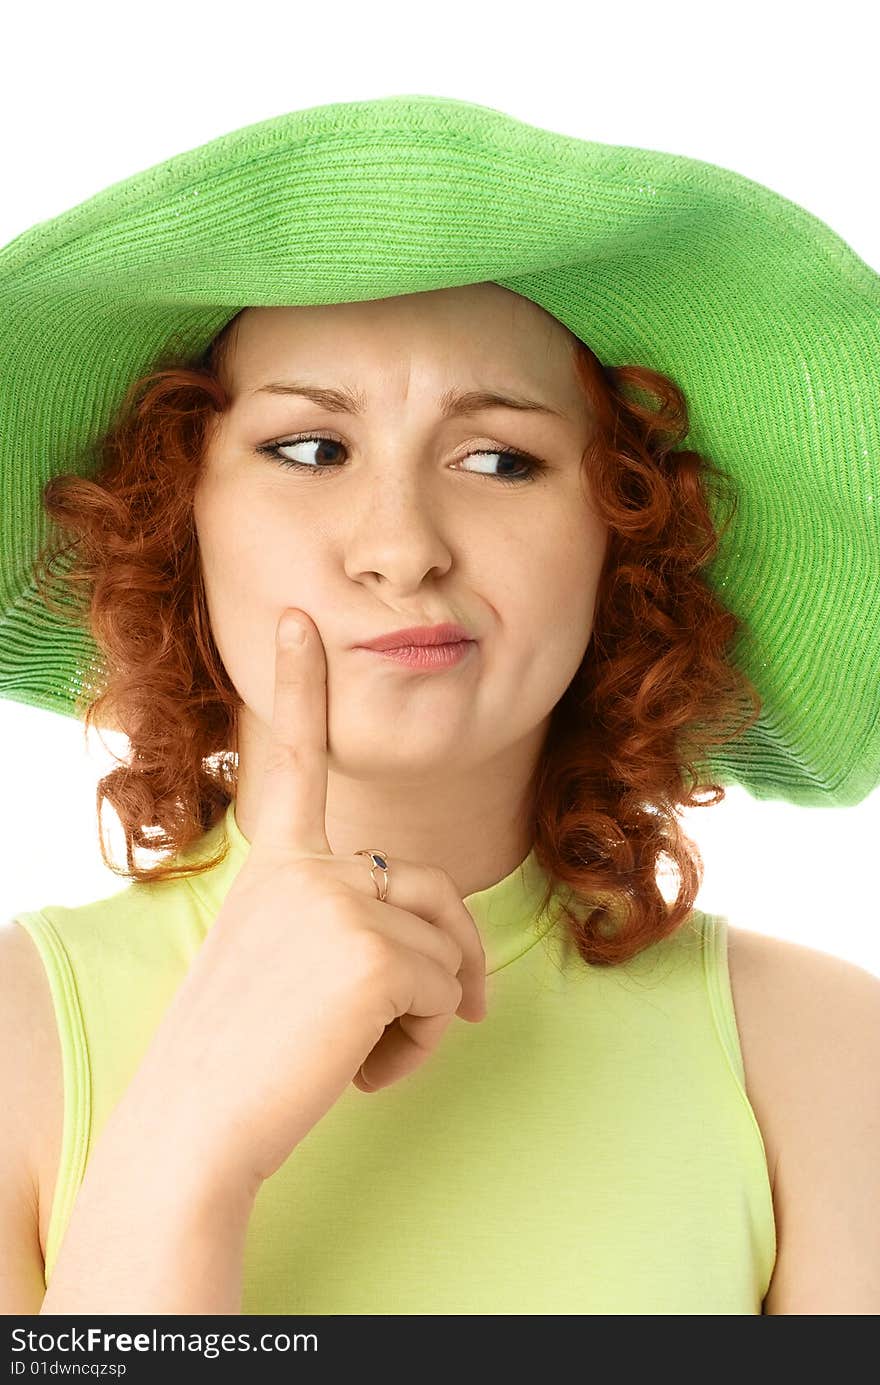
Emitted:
pixel 156 1227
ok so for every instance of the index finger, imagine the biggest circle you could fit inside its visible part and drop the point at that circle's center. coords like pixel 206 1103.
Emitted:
pixel 293 805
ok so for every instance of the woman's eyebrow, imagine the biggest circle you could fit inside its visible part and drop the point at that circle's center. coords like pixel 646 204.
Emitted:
pixel 452 402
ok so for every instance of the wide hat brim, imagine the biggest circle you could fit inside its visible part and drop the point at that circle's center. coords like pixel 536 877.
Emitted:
pixel 767 320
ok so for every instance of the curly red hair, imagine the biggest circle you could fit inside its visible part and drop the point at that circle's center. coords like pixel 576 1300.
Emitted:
pixel 656 689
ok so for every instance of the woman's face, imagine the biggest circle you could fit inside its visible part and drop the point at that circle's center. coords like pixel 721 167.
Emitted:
pixel 394 520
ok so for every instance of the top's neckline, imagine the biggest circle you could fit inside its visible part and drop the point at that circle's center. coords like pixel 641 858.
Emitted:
pixel 507 913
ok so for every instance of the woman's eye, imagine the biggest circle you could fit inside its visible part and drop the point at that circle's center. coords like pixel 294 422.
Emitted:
pixel 527 468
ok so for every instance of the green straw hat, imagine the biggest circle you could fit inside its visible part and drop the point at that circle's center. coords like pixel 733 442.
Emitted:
pixel 766 319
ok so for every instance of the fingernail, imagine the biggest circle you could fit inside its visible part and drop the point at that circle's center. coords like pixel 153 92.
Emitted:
pixel 291 631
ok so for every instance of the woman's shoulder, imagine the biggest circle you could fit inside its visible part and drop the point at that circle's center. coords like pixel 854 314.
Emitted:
pixel 809 1027
pixel 785 996
pixel 38 1065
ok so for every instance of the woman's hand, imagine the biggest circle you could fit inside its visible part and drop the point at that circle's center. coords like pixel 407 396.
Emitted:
pixel 306 981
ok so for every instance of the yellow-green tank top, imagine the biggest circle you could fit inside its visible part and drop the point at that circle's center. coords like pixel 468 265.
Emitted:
pixel 588 1148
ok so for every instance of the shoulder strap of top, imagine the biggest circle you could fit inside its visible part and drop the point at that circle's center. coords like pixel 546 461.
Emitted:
pixel 715 931
pixel 715 963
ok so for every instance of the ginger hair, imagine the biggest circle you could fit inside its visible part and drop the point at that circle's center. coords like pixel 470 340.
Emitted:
pixel 655 691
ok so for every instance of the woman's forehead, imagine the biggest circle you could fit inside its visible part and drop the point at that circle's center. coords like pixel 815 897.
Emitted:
pixel 454 331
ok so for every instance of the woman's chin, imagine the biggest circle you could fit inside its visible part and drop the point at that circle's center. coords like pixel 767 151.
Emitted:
pixel 389 753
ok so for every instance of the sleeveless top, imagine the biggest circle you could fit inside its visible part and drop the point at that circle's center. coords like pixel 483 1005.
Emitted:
pixel 588 1147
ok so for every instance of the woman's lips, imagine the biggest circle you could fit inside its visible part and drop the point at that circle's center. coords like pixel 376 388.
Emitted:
pixel 443 632
pixel 426 656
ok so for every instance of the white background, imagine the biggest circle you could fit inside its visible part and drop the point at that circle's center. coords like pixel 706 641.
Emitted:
pixel 92 94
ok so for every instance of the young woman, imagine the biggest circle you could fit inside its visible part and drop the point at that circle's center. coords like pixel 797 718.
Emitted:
pixel 241 1080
